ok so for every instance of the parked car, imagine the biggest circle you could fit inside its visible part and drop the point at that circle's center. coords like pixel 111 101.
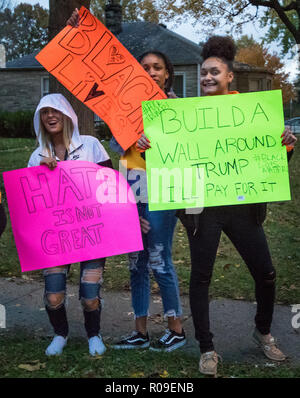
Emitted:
pixel 294 124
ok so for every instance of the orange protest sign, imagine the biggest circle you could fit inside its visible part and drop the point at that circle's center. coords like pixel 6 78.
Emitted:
pixel 94 66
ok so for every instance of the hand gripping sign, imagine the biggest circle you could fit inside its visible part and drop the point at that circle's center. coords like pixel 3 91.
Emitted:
pixel 79 211
pixel 95 67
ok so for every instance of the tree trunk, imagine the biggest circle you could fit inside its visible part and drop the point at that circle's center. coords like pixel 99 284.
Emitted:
pixel 60 12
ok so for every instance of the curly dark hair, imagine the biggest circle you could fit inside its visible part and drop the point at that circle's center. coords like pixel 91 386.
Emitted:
pixel 222 47
pixel 168 65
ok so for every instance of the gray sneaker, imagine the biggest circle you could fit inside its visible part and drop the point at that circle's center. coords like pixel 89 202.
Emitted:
pixel 208 363
pixel 268 344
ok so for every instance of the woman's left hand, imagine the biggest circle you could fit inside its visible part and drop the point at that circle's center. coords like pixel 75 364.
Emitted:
pixel 171 94
pixel 145 225
pixel 143 143
pixel 288 137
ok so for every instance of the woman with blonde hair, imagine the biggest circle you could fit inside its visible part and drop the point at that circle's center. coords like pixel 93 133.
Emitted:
pixel 56 127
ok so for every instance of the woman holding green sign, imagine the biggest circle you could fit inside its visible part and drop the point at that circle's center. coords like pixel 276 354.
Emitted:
pixel 241 223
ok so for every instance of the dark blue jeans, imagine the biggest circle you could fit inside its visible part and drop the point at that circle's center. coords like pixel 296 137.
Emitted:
pixel 156 257
pixel 55 282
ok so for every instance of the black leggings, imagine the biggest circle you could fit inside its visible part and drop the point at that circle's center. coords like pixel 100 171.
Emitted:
pixel 2 219
pixel 249 239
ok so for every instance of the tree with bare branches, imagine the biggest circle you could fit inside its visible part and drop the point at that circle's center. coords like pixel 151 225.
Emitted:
pixel 282 16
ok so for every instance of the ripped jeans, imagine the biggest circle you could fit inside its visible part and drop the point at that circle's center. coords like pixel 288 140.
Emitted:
pixel 89 293
pixel 156 257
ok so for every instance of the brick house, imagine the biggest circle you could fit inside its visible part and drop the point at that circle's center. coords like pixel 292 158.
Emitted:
pixel 24 81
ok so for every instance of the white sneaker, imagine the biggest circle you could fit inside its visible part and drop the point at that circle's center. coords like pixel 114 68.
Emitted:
pixel 96 346
pixel 56 346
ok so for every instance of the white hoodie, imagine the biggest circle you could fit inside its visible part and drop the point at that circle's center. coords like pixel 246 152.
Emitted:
pixel 83 147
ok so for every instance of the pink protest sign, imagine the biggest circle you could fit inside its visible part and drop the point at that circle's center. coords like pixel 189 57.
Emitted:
pixel 79 211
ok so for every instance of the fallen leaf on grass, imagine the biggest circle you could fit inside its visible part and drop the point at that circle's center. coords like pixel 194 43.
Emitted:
pixel 137 374
pixel 32 368
pixel 95 357
pixel 293 287
pixel 164 374
pixel 226 267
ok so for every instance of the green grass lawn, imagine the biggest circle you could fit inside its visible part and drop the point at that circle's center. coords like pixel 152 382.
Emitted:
pixel 23 356
pixel 29 361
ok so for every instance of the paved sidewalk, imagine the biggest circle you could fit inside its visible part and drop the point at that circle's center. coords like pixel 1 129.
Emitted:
pixel 231 320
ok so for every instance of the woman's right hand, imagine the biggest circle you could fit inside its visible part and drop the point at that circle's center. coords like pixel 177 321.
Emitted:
pixel 74 19
pixel 50 162
pixel 143 143
pixel 145 225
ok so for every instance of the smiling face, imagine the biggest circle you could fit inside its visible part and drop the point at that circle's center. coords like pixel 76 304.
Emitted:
pixel 215 77
pixel 156 68
pixel 53 120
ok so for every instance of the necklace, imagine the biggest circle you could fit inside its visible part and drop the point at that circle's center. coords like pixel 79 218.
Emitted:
pixel 61 153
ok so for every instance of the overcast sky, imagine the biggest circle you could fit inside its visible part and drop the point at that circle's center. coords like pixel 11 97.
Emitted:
pixel 190 32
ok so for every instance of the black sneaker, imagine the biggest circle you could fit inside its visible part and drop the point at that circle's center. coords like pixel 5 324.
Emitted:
pixel 169 341
pixel 135 340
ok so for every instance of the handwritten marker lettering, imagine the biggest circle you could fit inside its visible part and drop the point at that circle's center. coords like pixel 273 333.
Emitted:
pixel 67 222
pixel 235 141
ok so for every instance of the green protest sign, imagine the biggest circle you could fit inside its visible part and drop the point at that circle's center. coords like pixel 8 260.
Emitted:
pixel 214 151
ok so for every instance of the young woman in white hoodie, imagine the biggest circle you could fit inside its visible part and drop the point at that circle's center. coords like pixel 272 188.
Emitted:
pixel 56 127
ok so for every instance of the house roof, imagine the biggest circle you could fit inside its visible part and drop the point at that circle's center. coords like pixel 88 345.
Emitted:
pixel 26 62
pixel 242 67
pixel 139 37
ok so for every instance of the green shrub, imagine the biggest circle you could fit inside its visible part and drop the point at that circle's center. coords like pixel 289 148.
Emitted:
pixel 16 124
